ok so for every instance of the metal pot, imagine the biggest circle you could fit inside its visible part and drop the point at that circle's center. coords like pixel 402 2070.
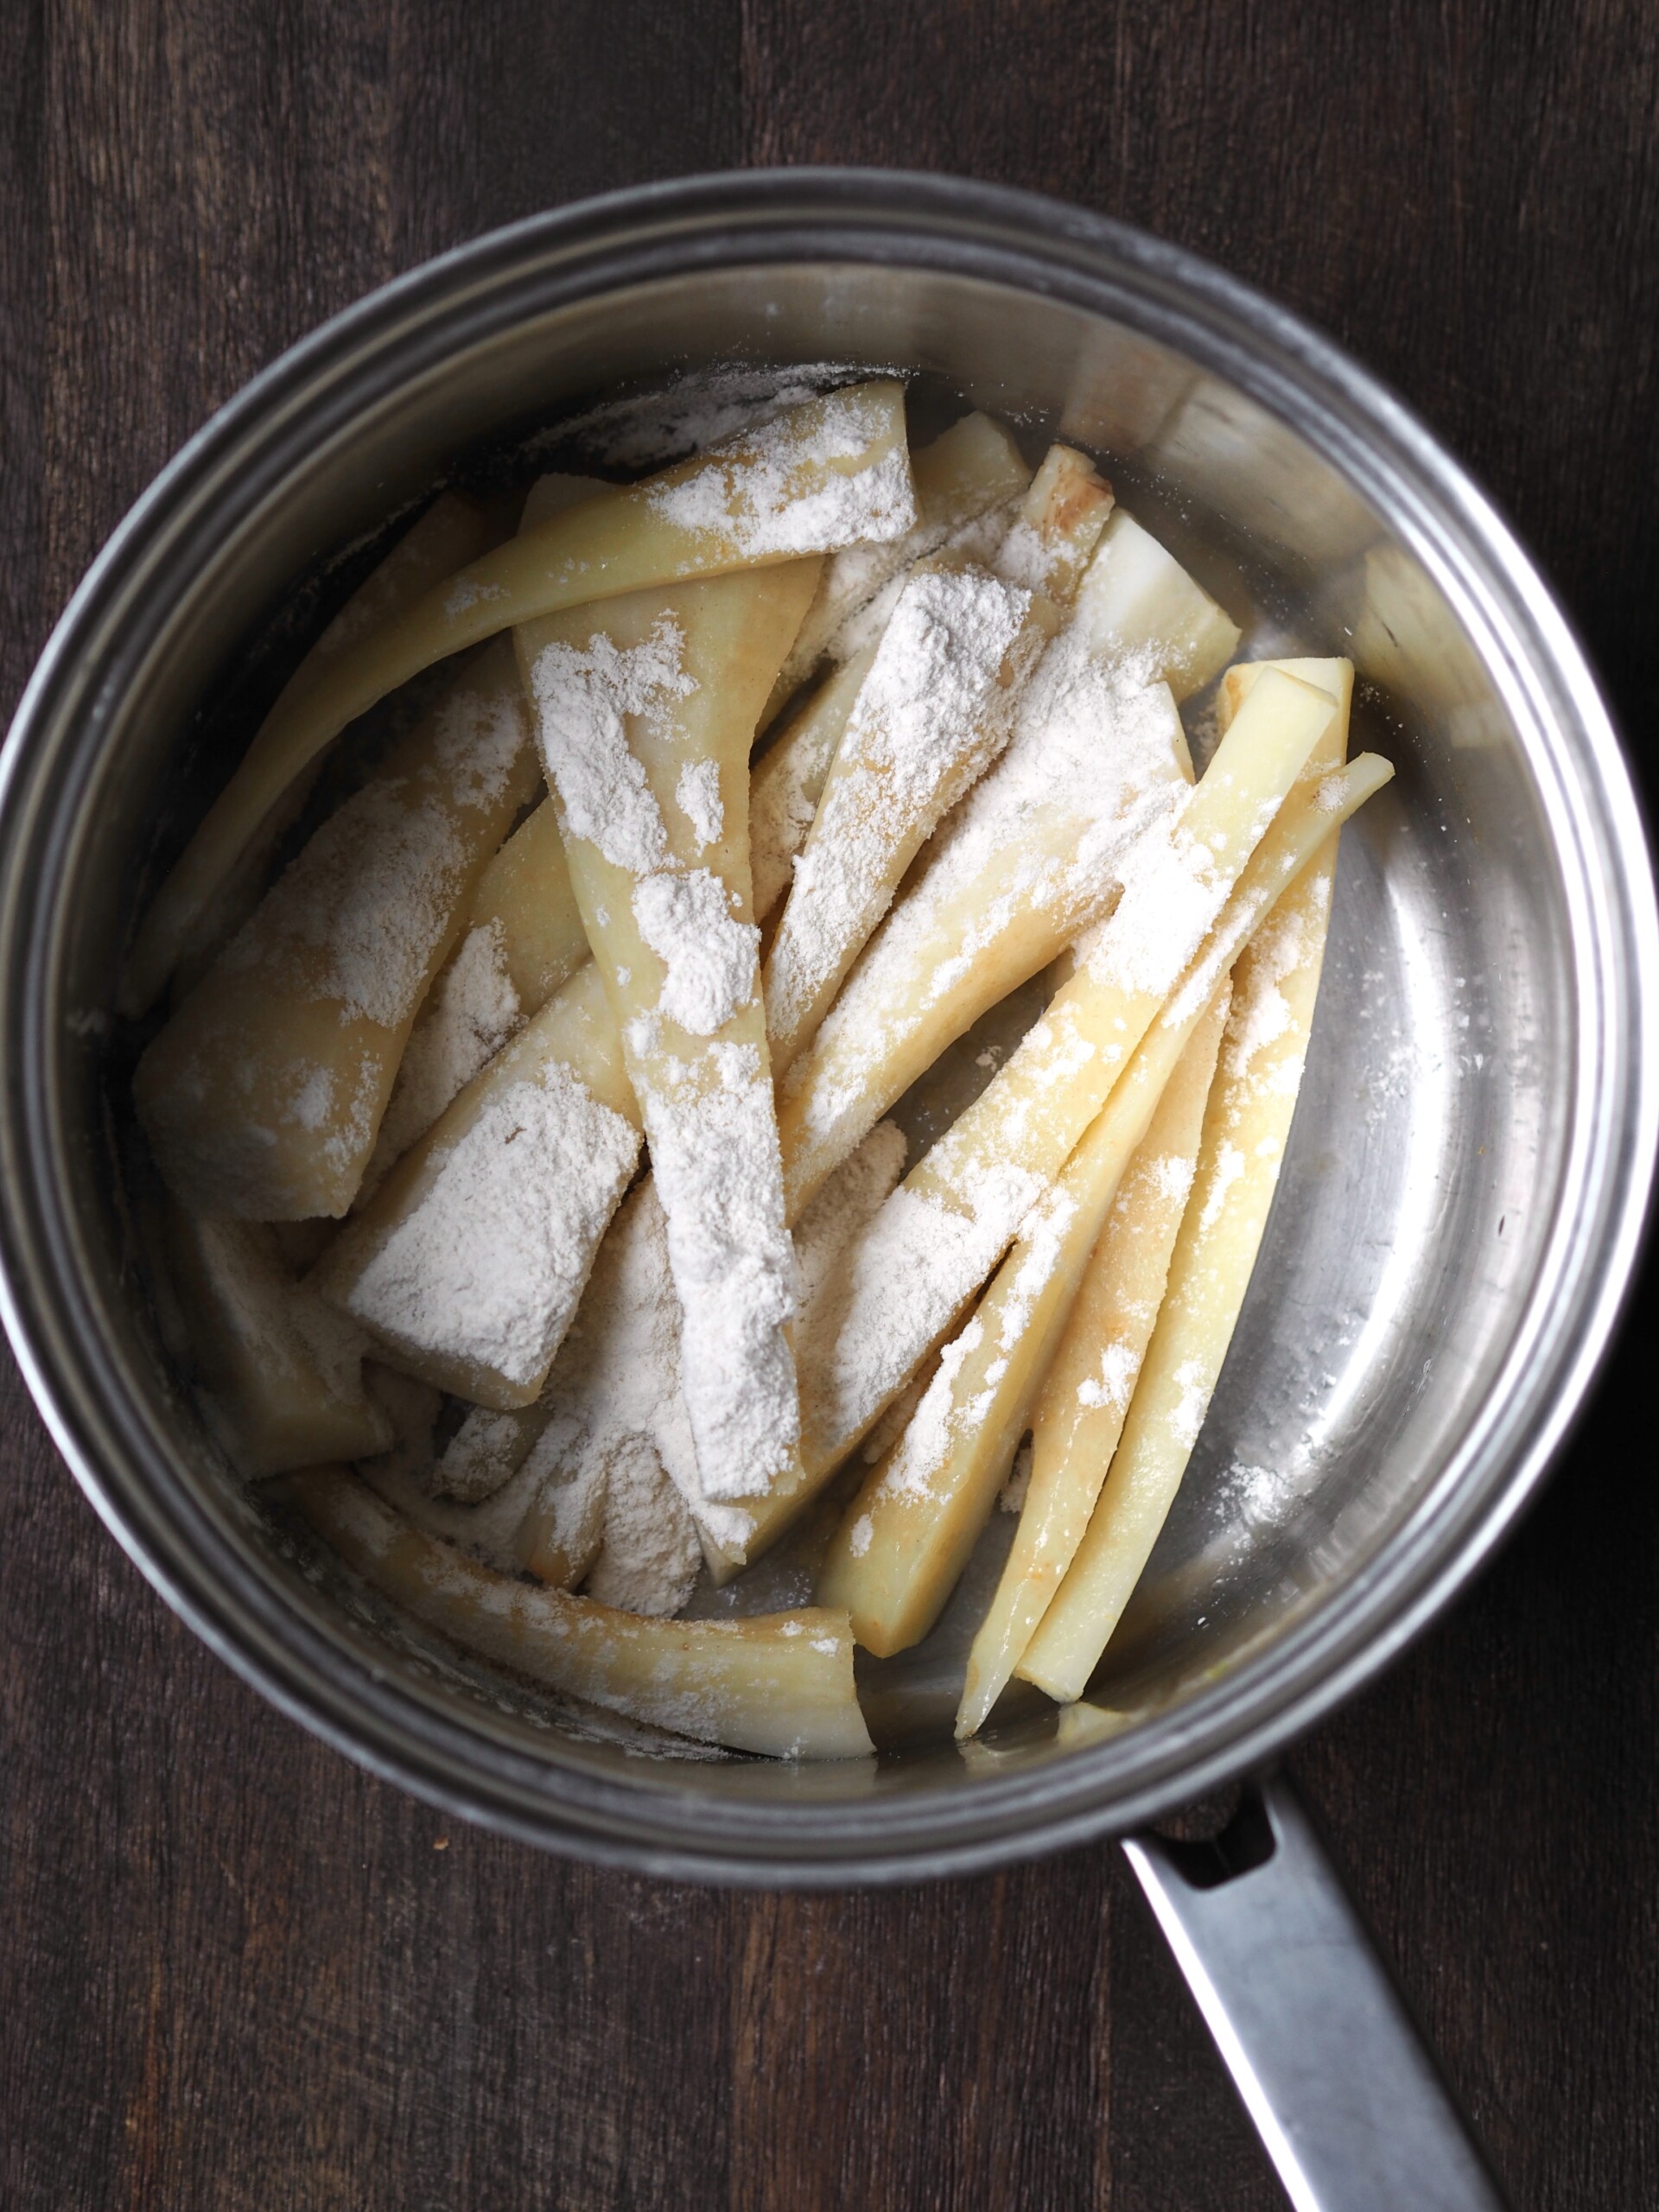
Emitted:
pixel 1456 1224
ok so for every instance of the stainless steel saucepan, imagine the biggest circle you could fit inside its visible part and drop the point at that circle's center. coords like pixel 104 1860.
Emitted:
pixel 1457 1220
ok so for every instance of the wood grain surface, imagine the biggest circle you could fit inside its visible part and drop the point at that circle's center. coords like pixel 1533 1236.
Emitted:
pixel 235 1972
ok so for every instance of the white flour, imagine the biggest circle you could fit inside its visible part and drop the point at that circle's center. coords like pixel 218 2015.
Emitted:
pixel 489 1265
pixel 650 1556
pixel 697 796
pixel 756 498
pixel 711 958
pixel 581 695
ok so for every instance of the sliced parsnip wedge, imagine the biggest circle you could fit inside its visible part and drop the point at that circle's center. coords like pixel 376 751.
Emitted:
pixel 262 1094
pixel 906 1538
pixel 959 1209
pixel 468 1262
pixel 646 709
pixel 781 1684
pixel 973 467
pixel 831 473
pixel 1060 525
pixel 524 938
pixel 280 1374
pixel 1137 603
pixel 1032 856
pixel 789 777
pixel 935 710
pixel 1246 1127
pixel 1079 1411
pixel 454 530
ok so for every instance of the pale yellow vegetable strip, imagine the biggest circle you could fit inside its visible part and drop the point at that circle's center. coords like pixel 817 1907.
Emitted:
pixel 526 895
pixel 780 1684
pixel 766 495
pixel 493 1341
pixel 935 712
pixel 1138 602
pixel 1085 1394
pixel 967 471
pixel 646 710
pixel 959 1209
pixel 1247 1125
pixel 789 777
pixel 281 1376
pixel 453 530
pixel 906 1538
pixel 960 641
pixel 262 1094
pixel 1033 856
pixel 1308 816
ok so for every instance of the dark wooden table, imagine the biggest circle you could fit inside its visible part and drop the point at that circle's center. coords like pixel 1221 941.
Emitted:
pixel 237 1972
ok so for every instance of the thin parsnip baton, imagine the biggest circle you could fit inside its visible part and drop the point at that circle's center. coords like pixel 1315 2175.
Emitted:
pixel 1080 1411
pixel 831 473
pixel 1246 1128
pixel 646 710
pixel 280 1375
pixel 780 1684
pixel 1138 605
pixel 789 778
pixel 262 1094
pixel 906 1538
pixel 454 530
pixel 468 1262
pixel 1031 859
pixel 856 1321
pixel 935 711
pixel 970 471
pixel 959 1209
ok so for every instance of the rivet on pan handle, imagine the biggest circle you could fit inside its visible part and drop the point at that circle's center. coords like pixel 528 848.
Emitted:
pixel 1344 2094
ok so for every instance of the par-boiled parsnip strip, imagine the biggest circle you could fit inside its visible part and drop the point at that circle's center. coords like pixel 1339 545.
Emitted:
pixel 646 709
pixel 453 530
pixel 934 712
pixel 262 1094
pixel 280 1380
pixel 829 474
pixel 468 1263
pixel 524 938
pixel 781 1684
pixel 959 1209
pixel 906 1538
pixel 1136 603
pixel 1079 1411
pixel 970 470
pixel 1246 1128
pixel 789 778
pixel 1032 856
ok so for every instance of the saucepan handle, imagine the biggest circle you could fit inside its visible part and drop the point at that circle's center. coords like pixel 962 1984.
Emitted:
pixel 1345 2097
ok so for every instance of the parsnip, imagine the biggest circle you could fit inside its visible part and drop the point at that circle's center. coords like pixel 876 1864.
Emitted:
pixel 1137 604
pixel 830 472
pixel 262 1094
pixel 526 893
pixel 934 713
pixel 906 1538
pixel 960 1207
pixel 454 530
pixel 281 1376
pixel 1031 858
pixel 789 777
pixel 646 709
pixel 781 1684
pixel 469 1261
pixel 935 710
pixel 1085 1393
pixel 971 469
pixel 1247 1124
